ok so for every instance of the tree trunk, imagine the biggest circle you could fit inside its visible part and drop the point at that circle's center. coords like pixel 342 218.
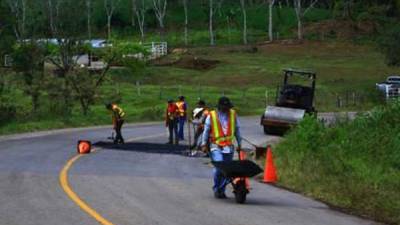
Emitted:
pixel 299 15
pixel 299 28
pixel 133 20
pixel 243 6
pixel 140 15
pixel 186 21
pixel 89 17
pixel 210 23
pixel 270 23
pixel 23 22
pixel 109 27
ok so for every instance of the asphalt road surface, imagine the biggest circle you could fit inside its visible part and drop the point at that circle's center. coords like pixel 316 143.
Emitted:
pixel 145 182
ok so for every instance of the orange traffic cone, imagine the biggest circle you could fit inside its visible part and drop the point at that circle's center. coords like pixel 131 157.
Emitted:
pixel 269 170
pixel 84 147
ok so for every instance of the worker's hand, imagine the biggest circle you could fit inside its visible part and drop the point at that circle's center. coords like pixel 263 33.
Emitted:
pixel 239 148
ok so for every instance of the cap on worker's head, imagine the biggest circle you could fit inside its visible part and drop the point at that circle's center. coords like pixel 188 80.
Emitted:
pixel 224 102
pixel 170 101
pixel 181 98
pixel 108 105
pixel 201 103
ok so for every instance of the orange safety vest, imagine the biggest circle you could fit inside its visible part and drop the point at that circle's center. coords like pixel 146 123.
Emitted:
pixel 181 108
pixel 218 136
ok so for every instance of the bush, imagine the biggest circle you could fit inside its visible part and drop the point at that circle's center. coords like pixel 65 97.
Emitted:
pixel 390 45
pixel 8 111
pixel 353 165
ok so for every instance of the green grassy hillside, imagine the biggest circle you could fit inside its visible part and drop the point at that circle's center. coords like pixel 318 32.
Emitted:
pixel 352 165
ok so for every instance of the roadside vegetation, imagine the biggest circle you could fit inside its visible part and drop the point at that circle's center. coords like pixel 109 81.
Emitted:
pixel 353 165
pixel 250 79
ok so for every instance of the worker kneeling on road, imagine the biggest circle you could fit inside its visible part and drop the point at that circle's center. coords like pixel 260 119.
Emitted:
pixel 200 115
pixel 221 126
pixel 118 120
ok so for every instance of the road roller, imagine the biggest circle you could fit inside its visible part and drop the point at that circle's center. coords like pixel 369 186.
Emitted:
pixel 295 99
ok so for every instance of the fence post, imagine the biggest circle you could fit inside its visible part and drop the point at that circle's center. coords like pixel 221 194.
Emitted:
pixel 354 98
pixel 339 101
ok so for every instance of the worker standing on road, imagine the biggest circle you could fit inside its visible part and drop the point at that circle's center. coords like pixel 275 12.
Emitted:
pixel 171 121
pixel 118 120
pixel 200 114
pixel 222 127
pixel 182 107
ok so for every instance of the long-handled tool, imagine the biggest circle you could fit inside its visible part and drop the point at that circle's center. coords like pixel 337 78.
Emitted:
pixel 260 151
pixel 112 136
pixel 189 136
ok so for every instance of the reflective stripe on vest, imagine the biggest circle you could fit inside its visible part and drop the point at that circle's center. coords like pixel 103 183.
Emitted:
pixel 218 136
pixel 119 111
pixel 181 108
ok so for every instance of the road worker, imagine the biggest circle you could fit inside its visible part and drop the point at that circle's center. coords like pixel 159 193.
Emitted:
pixel 182 107
pixel 200 114
pixel 118 120
pixel 171 121
pixel 221 128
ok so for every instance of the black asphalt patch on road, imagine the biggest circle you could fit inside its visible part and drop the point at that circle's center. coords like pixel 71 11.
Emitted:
pixel 144 147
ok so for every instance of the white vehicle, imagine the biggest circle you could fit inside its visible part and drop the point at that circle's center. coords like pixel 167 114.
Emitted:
pixel 391 87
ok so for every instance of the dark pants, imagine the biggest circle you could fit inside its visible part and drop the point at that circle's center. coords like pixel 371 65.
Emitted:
pixel 173 131
pixel 182 120
pixel 118 127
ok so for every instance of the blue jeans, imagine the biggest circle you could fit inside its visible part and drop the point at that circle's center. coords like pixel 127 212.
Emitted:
pixel 220 181
pixel 181 129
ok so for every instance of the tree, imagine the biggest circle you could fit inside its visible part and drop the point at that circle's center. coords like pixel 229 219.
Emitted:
pixel 53 7
pixel 390 45
pixel 243 7
pixel 185 9
pixel 28 61
pixel 18 9
pixel 140 11
pixel 270 16
pixel 301 12
pixel 133 13
pixel 160 8
pixel 89 18
pixel 110 6
pixel 213 6
pixel 211 21
pixel 86 83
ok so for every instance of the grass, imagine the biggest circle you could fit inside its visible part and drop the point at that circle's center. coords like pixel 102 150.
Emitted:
pixel 353 165
pixel 342 68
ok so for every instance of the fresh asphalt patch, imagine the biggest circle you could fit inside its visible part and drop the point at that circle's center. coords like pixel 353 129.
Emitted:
pixel 155 148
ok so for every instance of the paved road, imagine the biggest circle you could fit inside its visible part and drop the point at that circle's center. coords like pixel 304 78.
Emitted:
pixel 144 182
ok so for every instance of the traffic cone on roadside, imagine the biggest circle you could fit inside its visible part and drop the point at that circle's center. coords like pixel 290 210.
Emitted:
pixel 269 169
pixel 84 147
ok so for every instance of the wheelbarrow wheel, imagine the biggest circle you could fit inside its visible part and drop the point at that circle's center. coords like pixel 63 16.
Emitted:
pixel 240 192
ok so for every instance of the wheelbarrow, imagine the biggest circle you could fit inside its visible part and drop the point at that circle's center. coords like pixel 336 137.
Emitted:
pixel 237 171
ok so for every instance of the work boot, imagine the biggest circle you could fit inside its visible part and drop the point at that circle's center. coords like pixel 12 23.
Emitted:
pixel 219 195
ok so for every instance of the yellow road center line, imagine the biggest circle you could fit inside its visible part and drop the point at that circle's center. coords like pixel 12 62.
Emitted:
pixel 63 179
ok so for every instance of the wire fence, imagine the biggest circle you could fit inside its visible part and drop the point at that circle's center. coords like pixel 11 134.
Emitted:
pixel 253 98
